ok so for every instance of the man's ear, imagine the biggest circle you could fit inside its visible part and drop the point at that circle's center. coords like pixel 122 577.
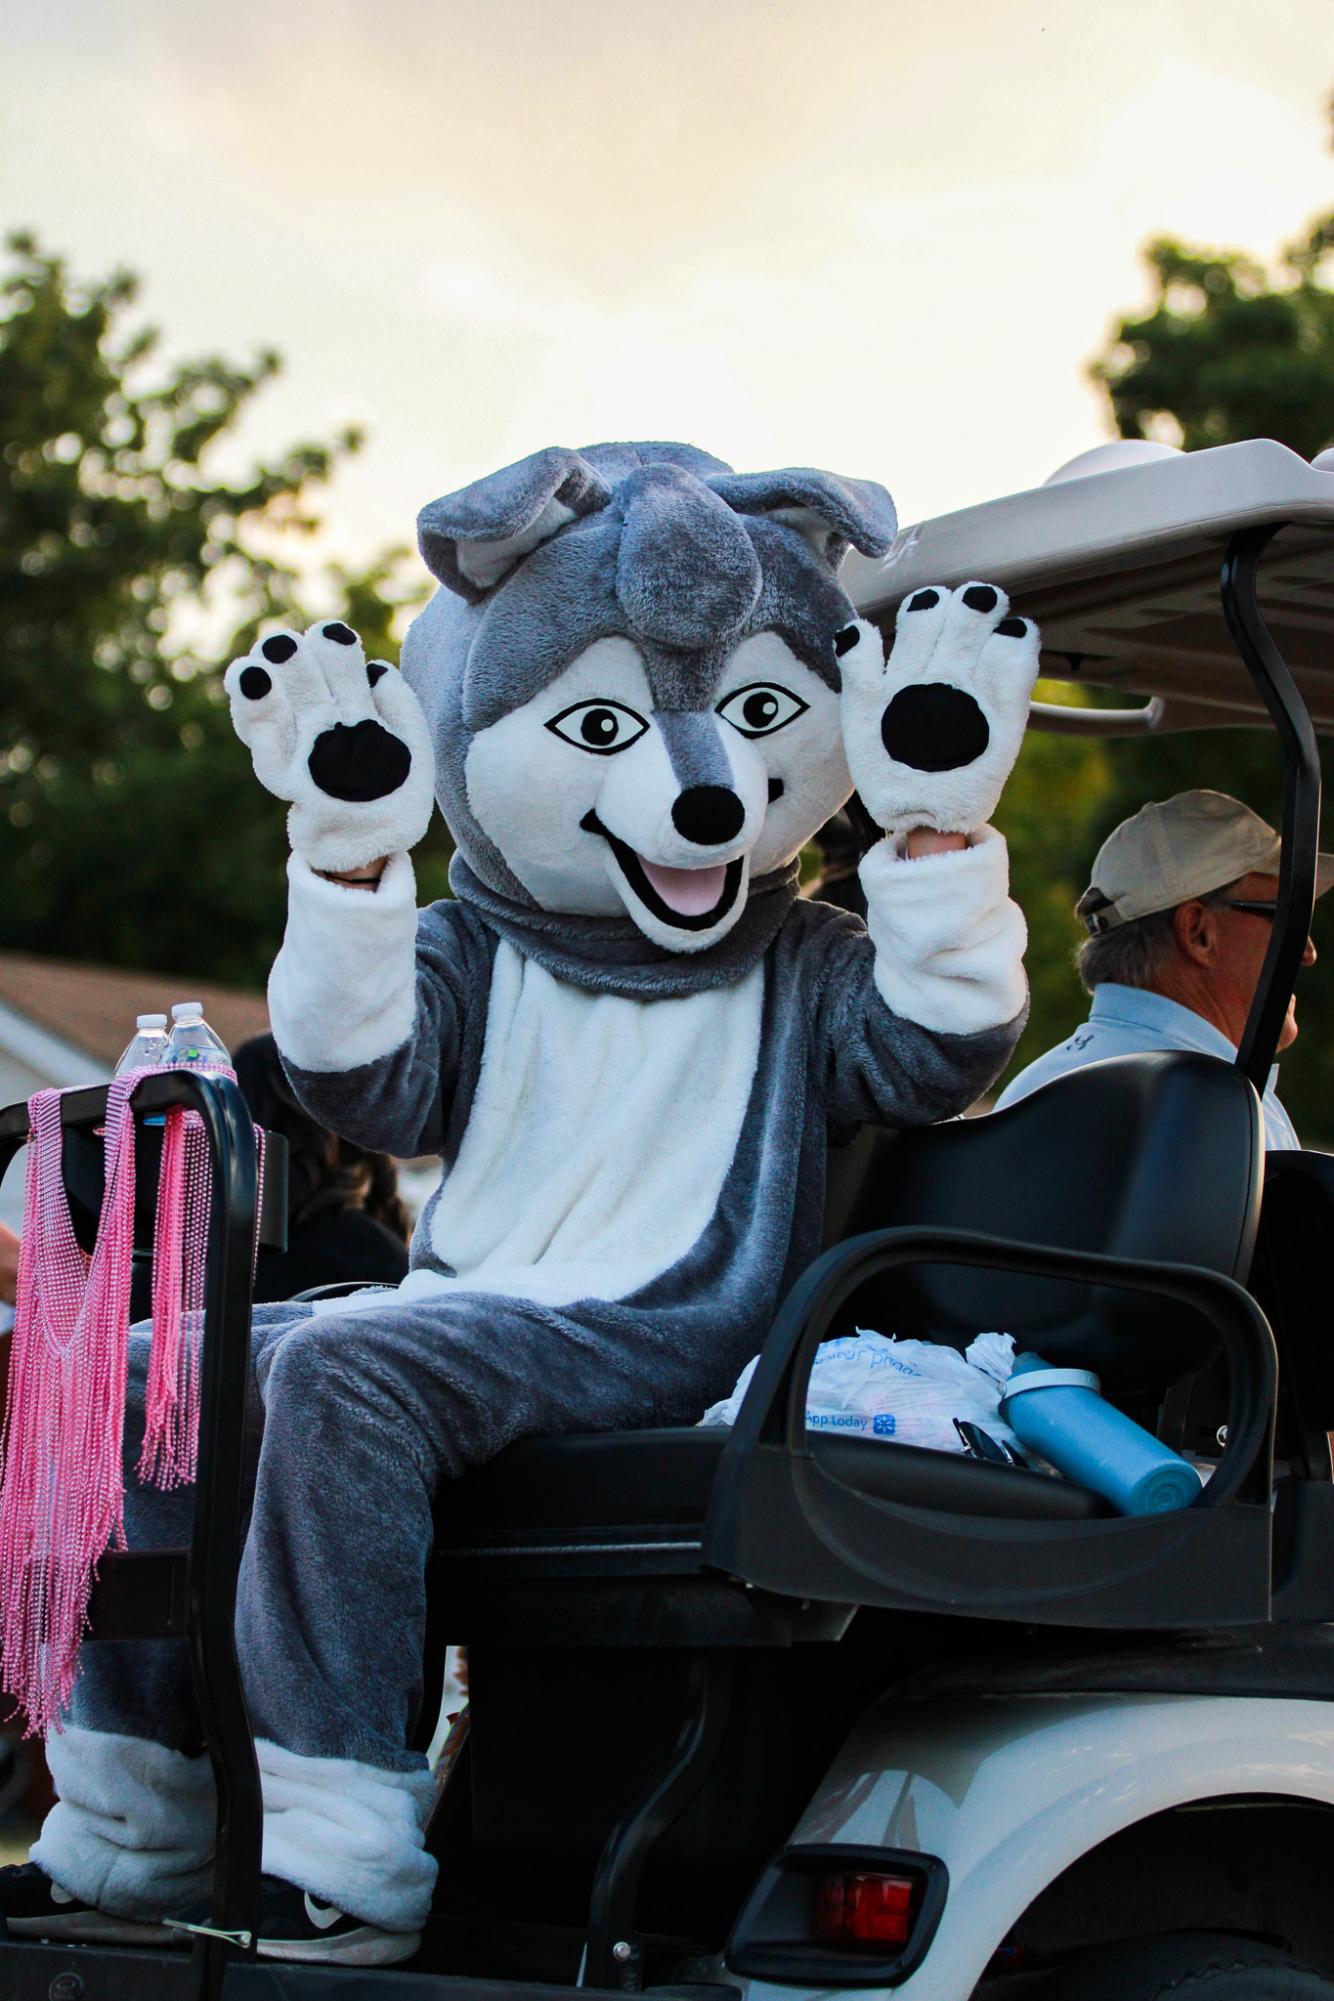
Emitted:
pixel 830 512
pixel 1196 930
pixel 473 538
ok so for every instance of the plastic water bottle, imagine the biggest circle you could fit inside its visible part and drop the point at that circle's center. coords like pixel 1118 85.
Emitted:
pixel 147 1047
pixel 192 1045
pixel 1061 1414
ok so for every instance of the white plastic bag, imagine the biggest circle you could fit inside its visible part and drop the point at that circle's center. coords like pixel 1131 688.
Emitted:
pixel 910 1392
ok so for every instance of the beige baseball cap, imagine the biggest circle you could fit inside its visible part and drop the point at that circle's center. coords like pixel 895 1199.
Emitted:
pixel 1178 848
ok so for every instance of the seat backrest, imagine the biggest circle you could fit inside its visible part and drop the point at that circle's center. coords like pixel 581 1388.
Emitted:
pixel 1154 1157
pixel 1290 1280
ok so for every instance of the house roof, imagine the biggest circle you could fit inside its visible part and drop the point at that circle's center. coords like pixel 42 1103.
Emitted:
pixel 93 1007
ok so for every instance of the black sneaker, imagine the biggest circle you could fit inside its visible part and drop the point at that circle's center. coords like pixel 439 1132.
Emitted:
pixel 293 1924
pixel 32 1906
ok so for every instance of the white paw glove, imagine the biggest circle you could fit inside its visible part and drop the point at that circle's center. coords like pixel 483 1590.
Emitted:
pixel 344 741
pixel 932 734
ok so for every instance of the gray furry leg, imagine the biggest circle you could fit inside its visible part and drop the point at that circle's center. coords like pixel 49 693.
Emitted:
pixel 142 1688
pixel 365 1413
pixel 132 1830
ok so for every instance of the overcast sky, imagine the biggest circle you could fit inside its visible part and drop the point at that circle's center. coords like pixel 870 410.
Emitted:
pixel 878 238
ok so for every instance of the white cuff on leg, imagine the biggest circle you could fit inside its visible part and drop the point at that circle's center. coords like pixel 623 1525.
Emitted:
pixel 132 1830
pixel 349 1833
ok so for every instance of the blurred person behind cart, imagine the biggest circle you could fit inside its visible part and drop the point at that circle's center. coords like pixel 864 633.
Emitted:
pixel 345 1220
pixel 9 1266
pixel 9 1281
pixel 1179 914
pixel 26 1792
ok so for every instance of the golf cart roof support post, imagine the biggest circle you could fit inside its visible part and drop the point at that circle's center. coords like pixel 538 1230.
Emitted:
pixel 1301 801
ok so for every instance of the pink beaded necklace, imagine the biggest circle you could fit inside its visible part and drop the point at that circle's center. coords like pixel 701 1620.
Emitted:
pixel 62 1497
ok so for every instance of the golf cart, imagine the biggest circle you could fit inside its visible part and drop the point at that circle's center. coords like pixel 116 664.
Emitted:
pixel 757 1712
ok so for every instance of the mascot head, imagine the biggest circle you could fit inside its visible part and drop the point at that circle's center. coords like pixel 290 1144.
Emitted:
pixel 632 676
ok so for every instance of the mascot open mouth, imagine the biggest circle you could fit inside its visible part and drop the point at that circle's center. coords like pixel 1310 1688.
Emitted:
pixel 690 899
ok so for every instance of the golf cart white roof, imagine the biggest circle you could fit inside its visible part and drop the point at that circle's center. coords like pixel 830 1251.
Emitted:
pixel 1120 567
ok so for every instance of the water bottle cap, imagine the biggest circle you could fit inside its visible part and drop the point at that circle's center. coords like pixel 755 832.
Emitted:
pixel 1050 1379
pixel 150 1021
pixel 181 1008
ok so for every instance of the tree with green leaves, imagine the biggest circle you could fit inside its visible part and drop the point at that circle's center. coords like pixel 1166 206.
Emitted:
pixel 1228 350
pixel 131 832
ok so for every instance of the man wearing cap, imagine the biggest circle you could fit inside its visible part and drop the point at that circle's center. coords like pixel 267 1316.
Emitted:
pixel 1178 914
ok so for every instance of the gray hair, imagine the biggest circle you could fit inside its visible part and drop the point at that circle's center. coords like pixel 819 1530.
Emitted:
pixel 1134 954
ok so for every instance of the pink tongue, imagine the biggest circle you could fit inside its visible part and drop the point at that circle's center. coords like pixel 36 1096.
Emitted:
pixel 690 892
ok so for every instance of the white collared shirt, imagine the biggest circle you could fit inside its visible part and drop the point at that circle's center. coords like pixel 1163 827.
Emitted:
pixel 1128 1021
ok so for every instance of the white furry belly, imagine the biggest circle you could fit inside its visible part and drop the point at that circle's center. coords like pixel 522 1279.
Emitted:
pixel 601 1132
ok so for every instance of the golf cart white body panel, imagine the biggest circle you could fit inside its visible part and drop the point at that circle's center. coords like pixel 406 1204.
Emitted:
pixel 1010 1791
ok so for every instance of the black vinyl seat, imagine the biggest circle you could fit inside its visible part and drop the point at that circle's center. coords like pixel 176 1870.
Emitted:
pixel 558 1489
pixel 1290 1280
pixel 1151 1162
pixel 1155 1158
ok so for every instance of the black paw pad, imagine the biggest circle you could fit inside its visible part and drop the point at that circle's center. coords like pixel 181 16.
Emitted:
pixel 845 639
pixel 1012 628
pixel 341 634
pixel 980 597
pixel 279 648
pixel 359 761
pixel 254 684
pixel 375 671
pixel 923 600
pixel 933 727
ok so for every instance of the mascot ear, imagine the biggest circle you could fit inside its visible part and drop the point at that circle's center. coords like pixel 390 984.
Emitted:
pixel 830 512
pixel 471 538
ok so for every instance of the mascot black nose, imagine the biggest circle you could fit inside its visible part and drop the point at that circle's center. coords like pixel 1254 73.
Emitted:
pixel 708 815
pixel 359 761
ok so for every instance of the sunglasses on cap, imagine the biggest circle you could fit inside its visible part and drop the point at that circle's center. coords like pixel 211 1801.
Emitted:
pixel 1252 906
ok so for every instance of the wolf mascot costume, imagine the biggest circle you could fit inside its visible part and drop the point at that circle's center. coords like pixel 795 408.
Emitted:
pixel 639 692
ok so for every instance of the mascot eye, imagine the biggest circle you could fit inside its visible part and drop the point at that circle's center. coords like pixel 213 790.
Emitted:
pixel 601 727
pixel 761 709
